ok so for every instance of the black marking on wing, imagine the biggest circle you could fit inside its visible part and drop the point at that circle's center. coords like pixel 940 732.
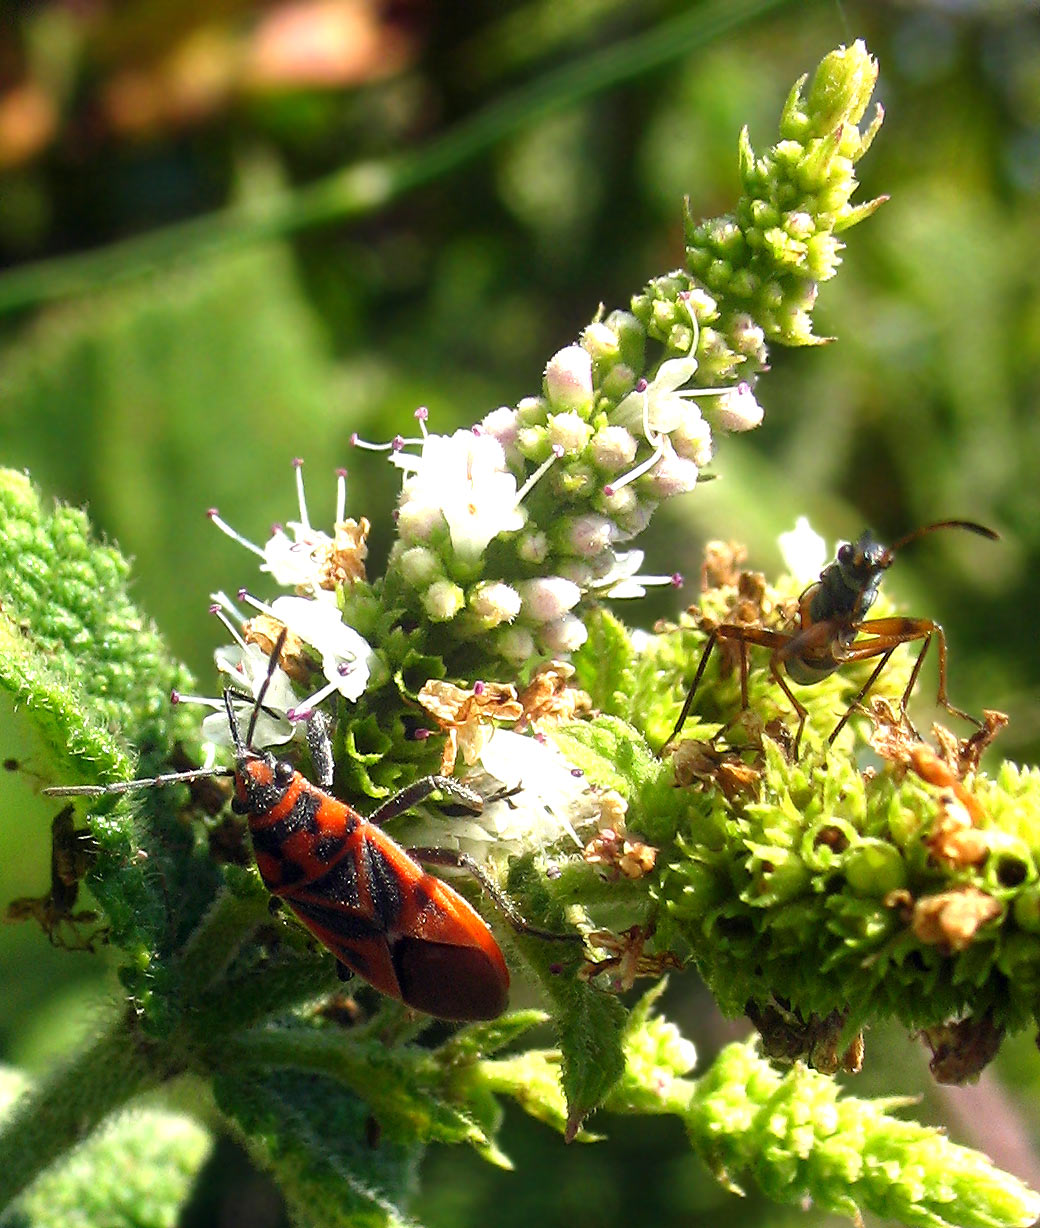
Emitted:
pixel 302 817
pixel 339 884
pixel 384 885
pixel 350 926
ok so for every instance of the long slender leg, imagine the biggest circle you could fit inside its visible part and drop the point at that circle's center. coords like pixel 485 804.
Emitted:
pixel 688 704
pixel 875 674
pixel 419 790
pixel 887 634
pixel 461 861
pixel 799 708
pixel 745 637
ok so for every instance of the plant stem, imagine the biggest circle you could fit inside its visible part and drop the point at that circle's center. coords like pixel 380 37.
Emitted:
pixel 46 1122
pixel 361 189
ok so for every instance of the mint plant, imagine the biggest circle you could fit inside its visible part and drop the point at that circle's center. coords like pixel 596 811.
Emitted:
pixel 810 895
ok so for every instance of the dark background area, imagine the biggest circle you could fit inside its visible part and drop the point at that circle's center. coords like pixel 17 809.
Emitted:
pixel 158 393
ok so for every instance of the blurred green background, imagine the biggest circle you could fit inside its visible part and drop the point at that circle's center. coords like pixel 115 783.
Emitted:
pixel 190 365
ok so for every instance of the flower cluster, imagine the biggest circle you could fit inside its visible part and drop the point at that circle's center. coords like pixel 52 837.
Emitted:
pixel 507 531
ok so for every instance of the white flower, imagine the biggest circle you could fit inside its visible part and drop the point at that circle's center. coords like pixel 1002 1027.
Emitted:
pixel 613 448
pixel 569 431
pixel 663 406
pixel 502 424
pixel 443 600
pixel 804 552
pixel 588 534
pixel 622 581
pixel 346 656
pixel 247 666
pixel 299 558
pixel 544 796
pixel 464 476
pixel 495 602
pixel 418 565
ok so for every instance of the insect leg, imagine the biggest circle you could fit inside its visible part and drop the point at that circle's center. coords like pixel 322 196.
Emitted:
pixel 319 743
pixel 419 790
pixel 688 704
pixel 462 861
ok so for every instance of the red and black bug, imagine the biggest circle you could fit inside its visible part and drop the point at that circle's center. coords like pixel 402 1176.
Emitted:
pixel 364 897
pixel 824 633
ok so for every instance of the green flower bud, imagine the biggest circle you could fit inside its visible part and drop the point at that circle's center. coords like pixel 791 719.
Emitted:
pixel 842 87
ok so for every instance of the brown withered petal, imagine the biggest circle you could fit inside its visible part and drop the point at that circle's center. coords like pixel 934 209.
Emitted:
pixel 549 697
pixel 951 919
pixel 297 659
pixel 343 561
pixel 721 566
pixel 468 716
pixel 962 1049
pixel 627 959
pixel 955 839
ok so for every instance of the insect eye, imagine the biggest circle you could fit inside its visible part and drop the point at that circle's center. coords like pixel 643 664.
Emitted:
pixel 283 773
pixel 846 552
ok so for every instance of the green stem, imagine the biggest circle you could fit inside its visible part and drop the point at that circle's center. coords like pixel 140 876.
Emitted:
pixel 48 1121
pixel 361 189
pixel 217 938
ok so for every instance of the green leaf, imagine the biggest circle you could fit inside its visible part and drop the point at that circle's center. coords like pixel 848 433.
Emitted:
pixel 324 1148
pixel 81 662
pixel 603 663
pixel 403 1086
pixel 610 752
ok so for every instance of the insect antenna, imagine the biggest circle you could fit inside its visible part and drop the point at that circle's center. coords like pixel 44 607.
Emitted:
pixel 272 665
pixel 970 525
pixel 147 782
pixel 177 778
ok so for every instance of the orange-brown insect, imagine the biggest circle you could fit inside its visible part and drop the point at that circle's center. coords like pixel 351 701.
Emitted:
pixel 364 897
pixel 827 626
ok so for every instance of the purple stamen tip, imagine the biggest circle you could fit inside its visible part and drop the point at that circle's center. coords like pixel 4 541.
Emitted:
pixel 477 429
pixel 212 512
pixel 213 609
pixel 677 579
pixel 684 295
pixel 558 450
pixel 641 385
pixel 242 594
pixel 422 413
pixel 556 969
pixel 295 715
pixel 175 697
pixel 297 462
pixel 540 738
pixel 345 668
pixel 341 473
pixel 478 688
pixel 608 491
pixel 397 443
pixel 552 871
pixel 276 528
pixel 577 773
pixel 421 735
pixel 353 439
